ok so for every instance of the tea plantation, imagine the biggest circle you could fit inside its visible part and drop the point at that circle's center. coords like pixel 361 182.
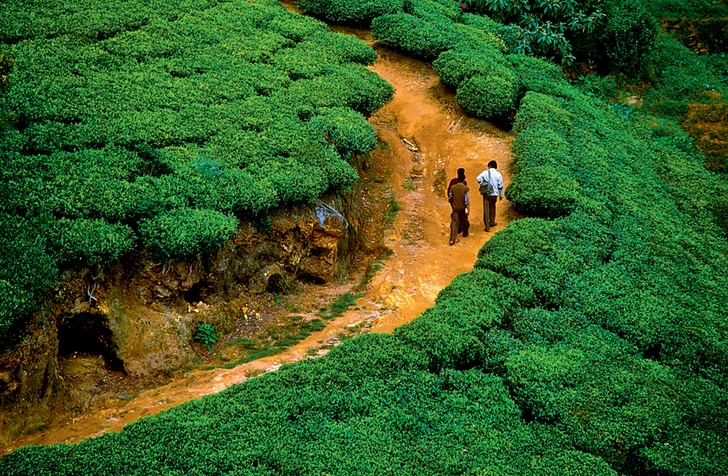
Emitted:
pixel 155 124
pixel 590 338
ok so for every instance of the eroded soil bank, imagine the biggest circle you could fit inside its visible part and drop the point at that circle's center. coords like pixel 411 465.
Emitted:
pixel 424 138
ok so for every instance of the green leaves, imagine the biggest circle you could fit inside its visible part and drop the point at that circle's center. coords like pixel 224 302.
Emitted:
pixel 206 335
pixel 185 232
pixel 491 96
pixel 347 11
pixel 127 117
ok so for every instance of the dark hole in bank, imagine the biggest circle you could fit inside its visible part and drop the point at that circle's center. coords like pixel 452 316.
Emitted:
pixel 86 335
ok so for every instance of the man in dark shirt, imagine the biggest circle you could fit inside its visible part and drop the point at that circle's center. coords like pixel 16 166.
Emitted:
pixel 459 198
pixel 453 181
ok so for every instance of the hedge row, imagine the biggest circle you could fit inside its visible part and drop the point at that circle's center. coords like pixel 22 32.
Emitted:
pixel 129 121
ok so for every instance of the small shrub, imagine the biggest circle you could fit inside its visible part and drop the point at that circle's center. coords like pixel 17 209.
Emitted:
pixel 458 65
pixel 186 232
pixel 206 335
pixel 347 11
pixel 416 36
pixel 490 96
pixel 543 192
pixel 92 241
pixel 348 130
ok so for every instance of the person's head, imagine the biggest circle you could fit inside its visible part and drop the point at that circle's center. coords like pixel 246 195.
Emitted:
pixel 461 175
pixel 492 164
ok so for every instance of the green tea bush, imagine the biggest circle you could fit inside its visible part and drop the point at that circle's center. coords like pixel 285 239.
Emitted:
pixel 27 269
pixel 433 8
pixel 458 65
pixel 490 96
pixel 534 73
pixel 186 232
pixel 352 86
pixel 347 130
pixel 312 57
pixel 347 11
pixel 414 35
pixel 92 241
pixel 544 192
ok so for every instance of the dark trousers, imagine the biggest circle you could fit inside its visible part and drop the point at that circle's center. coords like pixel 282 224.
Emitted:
pixel 458 220
pixel 489 211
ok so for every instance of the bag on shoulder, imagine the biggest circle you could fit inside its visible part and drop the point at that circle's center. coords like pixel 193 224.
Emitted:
pixel 486 188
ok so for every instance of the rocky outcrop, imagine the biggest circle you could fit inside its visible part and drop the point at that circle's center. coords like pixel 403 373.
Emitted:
pixel 30 386
pixel 137 315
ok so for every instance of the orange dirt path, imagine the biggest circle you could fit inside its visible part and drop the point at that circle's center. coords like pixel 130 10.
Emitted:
pixel 421 263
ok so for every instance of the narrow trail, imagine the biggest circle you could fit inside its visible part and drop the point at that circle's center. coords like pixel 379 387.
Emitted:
pixel 439 140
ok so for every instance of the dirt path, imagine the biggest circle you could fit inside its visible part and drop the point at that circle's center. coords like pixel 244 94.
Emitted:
pixel 439 140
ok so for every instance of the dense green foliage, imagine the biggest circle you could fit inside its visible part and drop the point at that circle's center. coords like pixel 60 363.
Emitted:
pixel 165 121
pixel 185 232
pixel 491 95
pixel 617 34
pixel 543 27
pixel 345 11
pixel 682 88
pixel 628 36
pixel 591 341
pixel 686 8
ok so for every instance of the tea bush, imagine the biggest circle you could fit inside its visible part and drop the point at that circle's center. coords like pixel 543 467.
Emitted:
pixel 135 119
pixel 27 268
pixel 186 232
pixel 90 241
pixel 493 95
pixel 458 65
pixel 414 35
pixel 558 195
pixel 346 11
pixel 348 131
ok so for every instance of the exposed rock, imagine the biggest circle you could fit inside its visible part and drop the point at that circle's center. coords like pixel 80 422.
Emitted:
pixel 30 386
pixel 138 315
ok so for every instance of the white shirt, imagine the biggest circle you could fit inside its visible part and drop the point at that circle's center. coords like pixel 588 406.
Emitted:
pixel 496 180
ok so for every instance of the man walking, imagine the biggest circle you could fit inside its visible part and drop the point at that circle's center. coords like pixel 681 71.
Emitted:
pixel 454 181
pixel 459 198
pixel 491 187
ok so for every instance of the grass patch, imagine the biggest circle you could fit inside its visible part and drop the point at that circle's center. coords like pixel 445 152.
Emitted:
pixel 339 306
pixel 409 184
pixel 274 339
pixel 393 207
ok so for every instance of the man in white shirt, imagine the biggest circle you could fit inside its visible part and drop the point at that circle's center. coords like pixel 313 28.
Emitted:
pixel 489 200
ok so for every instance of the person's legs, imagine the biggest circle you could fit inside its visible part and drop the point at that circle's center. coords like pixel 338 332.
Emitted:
pixel 486 212
pixel 454 225
pixel 493 200
pixel 464 223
